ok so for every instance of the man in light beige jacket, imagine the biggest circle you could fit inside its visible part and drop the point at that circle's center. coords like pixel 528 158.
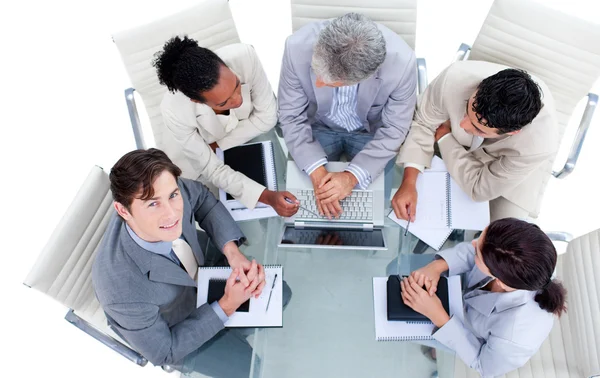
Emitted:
pixel 217 99
pixel 497 132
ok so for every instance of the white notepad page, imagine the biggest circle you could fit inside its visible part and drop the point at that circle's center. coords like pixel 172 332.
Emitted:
pixel 257 316
pixel 398 330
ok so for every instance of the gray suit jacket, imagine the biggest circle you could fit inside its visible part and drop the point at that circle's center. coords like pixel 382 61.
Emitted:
pixel 148 299
pixel 501 331
pixel 385 105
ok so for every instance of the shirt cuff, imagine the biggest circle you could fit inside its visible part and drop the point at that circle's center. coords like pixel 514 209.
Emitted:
pixel 420 167
pixel 238 242
pixel 444 137
pixel 219 311
pixel 311 168
pixel 363 177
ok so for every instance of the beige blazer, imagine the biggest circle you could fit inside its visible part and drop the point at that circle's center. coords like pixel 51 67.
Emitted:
pixel 515 167
pixel 194 126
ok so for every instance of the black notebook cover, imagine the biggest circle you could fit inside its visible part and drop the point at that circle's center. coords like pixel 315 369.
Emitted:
pixel 397 310
pixel 216 289
pixel 249 160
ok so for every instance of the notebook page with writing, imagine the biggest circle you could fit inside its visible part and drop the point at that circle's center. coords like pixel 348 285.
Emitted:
pixel 398 330
pixel 257 316
pixel 430 223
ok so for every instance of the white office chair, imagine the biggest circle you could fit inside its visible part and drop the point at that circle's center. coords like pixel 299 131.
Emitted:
pixel 398 15
pixel 572 349
pixel 210 23
pixel 562 50
pixel 63 269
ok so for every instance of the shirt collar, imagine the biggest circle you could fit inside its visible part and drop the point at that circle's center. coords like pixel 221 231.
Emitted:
pixel 486 302
pixel 160 248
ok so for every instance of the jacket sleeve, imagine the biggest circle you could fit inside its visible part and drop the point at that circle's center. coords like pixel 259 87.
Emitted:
pixel 396 115
pixel 142 325
pixel 430 113
pixel 293 117
pixel 207 164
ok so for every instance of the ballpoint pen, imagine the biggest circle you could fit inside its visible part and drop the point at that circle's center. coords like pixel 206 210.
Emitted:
pixel 408 224
pixel 302 207
pixel 271 292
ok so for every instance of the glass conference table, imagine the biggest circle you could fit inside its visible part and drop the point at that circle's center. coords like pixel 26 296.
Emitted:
pixel 328 325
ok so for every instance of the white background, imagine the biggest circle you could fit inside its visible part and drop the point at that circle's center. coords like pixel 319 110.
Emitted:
pixel 63 111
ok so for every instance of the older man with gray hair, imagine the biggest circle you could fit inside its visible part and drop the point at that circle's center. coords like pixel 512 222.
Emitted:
pixel 347 85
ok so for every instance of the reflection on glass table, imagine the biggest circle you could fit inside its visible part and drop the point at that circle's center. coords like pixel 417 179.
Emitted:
pixel 328 326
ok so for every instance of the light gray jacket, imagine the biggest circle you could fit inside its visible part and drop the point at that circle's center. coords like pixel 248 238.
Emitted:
pixel 385 104
pixel 148 299
pixel 501 331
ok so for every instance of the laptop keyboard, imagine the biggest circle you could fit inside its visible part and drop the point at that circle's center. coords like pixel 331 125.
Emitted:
pixel 358 206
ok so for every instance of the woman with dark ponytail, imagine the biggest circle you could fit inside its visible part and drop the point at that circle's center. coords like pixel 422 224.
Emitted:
pixel 510 300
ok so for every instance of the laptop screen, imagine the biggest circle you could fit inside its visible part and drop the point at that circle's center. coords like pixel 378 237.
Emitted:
pixel 333 237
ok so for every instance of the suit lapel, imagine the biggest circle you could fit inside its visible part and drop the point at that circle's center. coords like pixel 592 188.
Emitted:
pixel 323 95
pixel 367 91
pixel 158 268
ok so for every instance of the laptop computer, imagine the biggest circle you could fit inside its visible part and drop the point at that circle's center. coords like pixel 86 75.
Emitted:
pixel 359 227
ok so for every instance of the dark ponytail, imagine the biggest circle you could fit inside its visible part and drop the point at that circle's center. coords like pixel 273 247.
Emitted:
pixel 552 298
pixel 522 256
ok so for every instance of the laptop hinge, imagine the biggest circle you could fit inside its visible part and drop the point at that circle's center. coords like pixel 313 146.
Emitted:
pixel 337 225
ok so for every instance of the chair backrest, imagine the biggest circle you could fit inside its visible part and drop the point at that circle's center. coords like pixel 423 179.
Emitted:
pixel 561 50
pixel 63 269
pixel 210 23
pixel 398 15
pixel 578 269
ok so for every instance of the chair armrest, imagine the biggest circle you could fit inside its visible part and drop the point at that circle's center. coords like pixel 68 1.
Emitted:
pixel 421 75
pixel 134 118
pixel 463 52
pixel 584 124
pixel 113 344
pixel 560 236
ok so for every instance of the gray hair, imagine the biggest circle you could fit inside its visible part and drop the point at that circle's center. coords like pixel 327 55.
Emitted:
pixel 349 49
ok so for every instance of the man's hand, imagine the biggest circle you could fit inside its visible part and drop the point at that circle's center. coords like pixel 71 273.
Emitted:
pixel 332 209
pixel 236 292
pixel 278 202
pixel 252 270
pixel 419 300
pixel 214 146
pixel 442 130
pixel 335 186
pixel 405 198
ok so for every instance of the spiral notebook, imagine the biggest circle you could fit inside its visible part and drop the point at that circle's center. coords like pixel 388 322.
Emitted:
pixel 257 162
pixel 395 330
pixel 253 313
pixel 443 206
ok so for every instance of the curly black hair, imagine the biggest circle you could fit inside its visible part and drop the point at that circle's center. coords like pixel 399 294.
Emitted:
pixel 184 66
pixel 507 100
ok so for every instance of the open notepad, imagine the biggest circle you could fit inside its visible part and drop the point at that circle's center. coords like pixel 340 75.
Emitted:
pixel 396 330
pixel 257 162
pixel 253 313
pixel 443 206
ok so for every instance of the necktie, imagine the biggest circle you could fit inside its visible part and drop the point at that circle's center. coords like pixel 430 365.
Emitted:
pixel 184 253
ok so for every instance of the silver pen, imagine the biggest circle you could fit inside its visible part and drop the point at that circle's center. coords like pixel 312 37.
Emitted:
pixel 408 224
pixel 302 207
pixel 271 292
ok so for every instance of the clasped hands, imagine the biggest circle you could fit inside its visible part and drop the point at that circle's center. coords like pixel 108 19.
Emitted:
pixel 330 188
pixel 424 301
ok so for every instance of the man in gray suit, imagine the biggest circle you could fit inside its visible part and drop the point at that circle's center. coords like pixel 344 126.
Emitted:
pixel 347 85
pixel 144 271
